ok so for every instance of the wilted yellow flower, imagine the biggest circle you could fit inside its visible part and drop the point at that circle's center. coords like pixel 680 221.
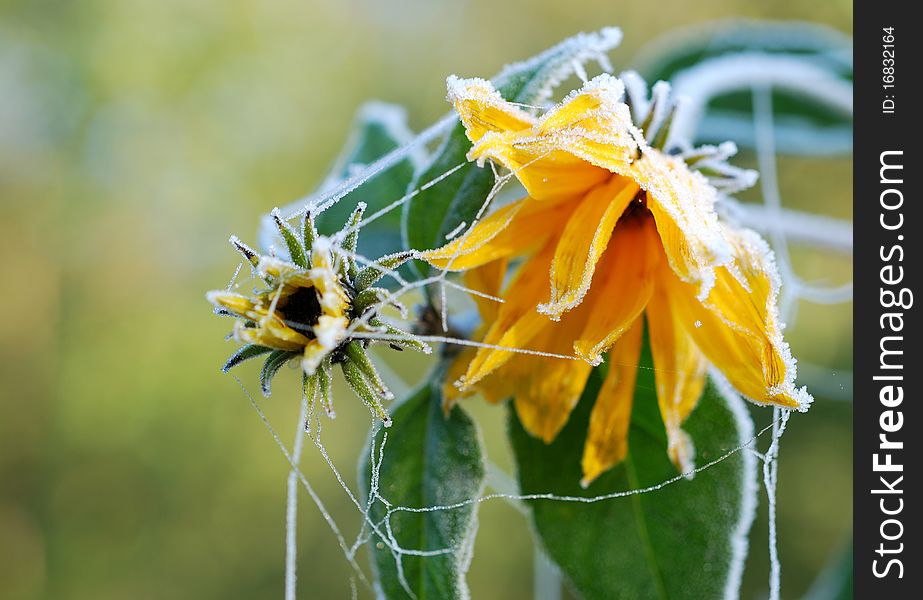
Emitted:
pixel 319 308
pixel 613 228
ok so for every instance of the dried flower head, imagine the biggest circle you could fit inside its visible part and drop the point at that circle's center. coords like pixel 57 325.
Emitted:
pixel 318 308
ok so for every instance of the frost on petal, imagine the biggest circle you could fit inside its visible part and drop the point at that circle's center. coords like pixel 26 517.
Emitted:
pixel 330 331
pixel 571 148
pixel 482 109
pixel 737 325
pixel 594 124
pixel 683 205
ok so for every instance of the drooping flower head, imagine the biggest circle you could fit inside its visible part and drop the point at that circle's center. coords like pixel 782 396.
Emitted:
pixel 618 229
pixel 317 307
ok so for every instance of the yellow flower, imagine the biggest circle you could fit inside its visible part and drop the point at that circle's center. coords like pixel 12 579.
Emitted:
pixel 319 308
pixel 613 229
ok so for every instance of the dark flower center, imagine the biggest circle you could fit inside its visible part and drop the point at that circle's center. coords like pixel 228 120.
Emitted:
pixel 301 310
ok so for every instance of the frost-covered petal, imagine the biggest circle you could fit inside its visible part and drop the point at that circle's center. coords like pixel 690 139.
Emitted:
pixel 679 376
pixel 482 109
pixel 622 287
pixel 330 330
pixel 594 124
pixel 272 333
pixel 509 231
pixel 569 150
pixel 737 326
pixel 546 170
pixel 607 439
pixel 683 205
pixel 583 241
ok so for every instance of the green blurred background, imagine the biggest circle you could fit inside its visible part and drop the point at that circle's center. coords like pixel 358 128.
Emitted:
pixel 135 136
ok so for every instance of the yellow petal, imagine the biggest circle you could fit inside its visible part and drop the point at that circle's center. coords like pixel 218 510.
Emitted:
pixel 511 230
pixel 238 304
pixel 624 282
pixel 517 321
pixel 607 439
pixel 737 325
pixel 682 202
pixel 483 110
pixel 488 280
pixel 679 376
pixel 271 333
pixel 547 172
pixel 594 124
pixel 572 148
pixel 547 389
pixel 314 354
pixel 583 241
pixel 495 388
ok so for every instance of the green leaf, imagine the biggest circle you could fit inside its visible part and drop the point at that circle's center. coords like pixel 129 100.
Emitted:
pixel 685 540
pixel 808 67
pixel 429 460
pixel 379 128
pixel 436 211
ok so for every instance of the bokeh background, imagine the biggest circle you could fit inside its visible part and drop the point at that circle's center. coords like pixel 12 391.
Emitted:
pixel 135 136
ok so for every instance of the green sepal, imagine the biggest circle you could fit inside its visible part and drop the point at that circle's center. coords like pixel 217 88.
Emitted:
pixel 356 354
pixel 249 254
pixel 406 342
pixel 364 389
pixel 371 274
pixel 350 243
pixel 325 387
pixel 308 230
pixel 367 298
pixel 273 363
pixel 295 249
pixel 244 353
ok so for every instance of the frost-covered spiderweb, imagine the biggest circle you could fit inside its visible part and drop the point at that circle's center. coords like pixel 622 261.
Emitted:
pixel 779 224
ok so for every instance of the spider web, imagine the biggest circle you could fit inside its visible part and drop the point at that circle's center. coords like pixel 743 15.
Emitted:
pixel 779 224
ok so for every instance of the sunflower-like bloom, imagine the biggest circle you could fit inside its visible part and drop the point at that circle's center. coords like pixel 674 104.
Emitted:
pixel 317 308
pixel 613 229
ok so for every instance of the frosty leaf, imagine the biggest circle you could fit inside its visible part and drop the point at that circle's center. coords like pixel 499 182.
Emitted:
pixel 685 540
pixel 808 68
pixel 379 128
pixel 244 353
pixel 272 365
pixel 435 212
pixel 430 460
